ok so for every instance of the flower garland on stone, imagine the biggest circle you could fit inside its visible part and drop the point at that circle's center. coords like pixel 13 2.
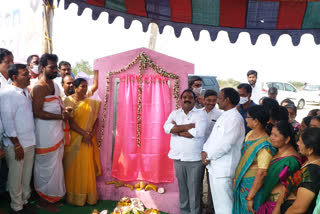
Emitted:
pixel 144 61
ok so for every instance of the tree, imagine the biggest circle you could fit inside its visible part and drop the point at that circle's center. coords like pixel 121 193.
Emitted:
pixel 228 83
pixel 83 66
pixel 298 85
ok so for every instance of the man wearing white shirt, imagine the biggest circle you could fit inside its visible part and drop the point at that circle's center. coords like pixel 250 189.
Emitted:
pixel 19 141
pixel 210 101
pixel 67 85
pixel 187 127
pixel 222 151
pixel 64 68
pixel 6 59
pixel 252 76
pixel 2 153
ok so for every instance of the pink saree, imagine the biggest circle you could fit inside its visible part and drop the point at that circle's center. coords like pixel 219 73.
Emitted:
pixel 150 161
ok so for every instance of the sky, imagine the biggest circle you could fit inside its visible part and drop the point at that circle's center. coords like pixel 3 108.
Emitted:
pixel 78 38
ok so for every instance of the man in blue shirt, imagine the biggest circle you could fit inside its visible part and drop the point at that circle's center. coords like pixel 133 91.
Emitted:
pixel 245 92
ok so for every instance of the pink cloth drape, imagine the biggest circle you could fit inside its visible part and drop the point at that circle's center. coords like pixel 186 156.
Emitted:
pixel 267 207
pixel 150 161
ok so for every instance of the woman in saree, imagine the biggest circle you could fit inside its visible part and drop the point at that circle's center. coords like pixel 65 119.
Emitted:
pixel 81 156
pixel 317 207
pixel 302 188
pixel 305 123
pixel 271 106
pixel 285 162
pixel 256 155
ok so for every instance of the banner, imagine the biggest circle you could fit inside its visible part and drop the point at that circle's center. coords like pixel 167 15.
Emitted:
pixel 21 27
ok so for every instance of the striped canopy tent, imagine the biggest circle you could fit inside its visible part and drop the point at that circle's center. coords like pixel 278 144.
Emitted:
pixel 272 17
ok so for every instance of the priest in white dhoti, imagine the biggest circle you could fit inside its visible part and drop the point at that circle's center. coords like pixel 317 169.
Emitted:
pixel 222 151
pixel 49 118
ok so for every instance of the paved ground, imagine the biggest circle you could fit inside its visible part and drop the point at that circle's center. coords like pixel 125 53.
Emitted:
pixel 304 112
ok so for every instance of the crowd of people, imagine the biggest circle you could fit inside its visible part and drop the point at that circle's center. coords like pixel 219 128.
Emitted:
pixel 258 158
pixel 47 134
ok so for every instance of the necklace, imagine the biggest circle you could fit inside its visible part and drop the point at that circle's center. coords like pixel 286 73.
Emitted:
pixel 287 152
pixel 284 154
pixel 254 135
pixel 77 98
pixel 310 163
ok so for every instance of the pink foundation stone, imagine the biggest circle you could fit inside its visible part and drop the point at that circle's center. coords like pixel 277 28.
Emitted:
pixel 169 201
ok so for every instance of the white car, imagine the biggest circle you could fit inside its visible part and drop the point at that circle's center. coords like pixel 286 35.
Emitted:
pixel 311 93
pixel 285 90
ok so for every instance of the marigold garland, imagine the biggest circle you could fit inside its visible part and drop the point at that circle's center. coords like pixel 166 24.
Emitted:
pixel 144 61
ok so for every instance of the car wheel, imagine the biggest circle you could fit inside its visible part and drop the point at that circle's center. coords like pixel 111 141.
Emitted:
pixel 301 104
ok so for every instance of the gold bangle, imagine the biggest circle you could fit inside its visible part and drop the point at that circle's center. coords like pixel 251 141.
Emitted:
pixel 17 147
pixel 249 199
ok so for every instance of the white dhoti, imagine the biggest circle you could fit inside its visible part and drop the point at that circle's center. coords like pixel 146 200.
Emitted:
pixel 48 168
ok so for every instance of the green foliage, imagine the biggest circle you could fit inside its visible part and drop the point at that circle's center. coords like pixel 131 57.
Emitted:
pixel 228 83
pixel 298 85
pixel 83 66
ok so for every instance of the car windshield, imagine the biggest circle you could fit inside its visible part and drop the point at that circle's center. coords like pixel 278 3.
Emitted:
pixel 312 88
pixel 278 85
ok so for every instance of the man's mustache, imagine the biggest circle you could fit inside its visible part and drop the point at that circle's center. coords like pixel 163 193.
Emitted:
pixel 187 102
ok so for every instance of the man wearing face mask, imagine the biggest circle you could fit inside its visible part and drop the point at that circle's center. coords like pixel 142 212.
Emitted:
pixel 245 102
pixel 212 112
pixel 195 84
pixel 33 68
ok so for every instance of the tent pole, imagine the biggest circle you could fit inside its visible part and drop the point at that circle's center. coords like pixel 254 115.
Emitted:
pixel 153 36
pixel 47 27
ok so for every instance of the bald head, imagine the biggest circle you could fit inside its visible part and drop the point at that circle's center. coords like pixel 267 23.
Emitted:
pixel 67 84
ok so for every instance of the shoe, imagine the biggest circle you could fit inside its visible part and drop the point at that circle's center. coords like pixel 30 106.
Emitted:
pixel 30 209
